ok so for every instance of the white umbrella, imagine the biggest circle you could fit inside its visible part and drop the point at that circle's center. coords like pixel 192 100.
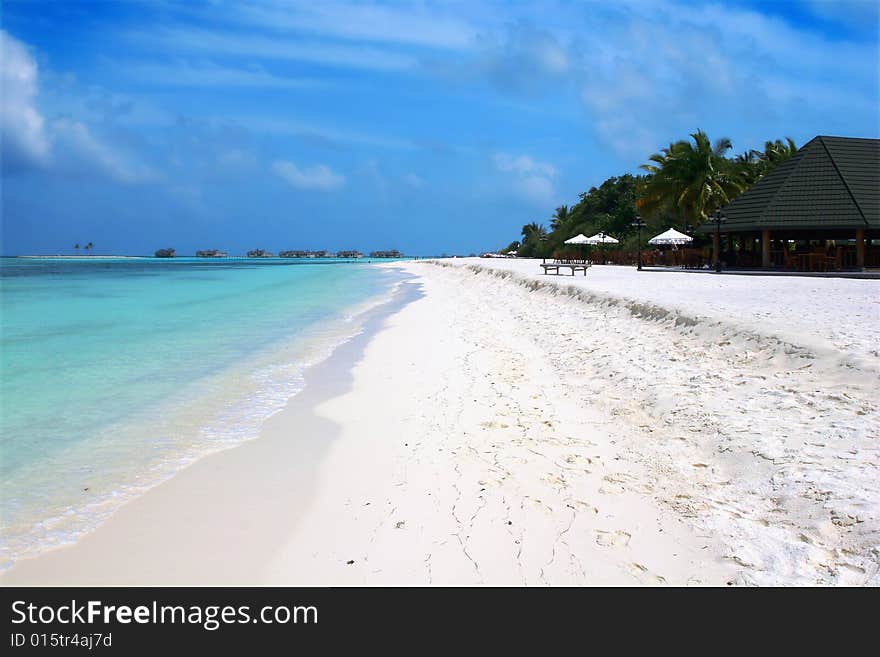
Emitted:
pixel 511 253
pixel 578 239
pixel 601 238
pixel 671 236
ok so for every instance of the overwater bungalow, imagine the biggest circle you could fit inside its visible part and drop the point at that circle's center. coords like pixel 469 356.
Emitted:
pixel 211 253
pixel 304 254
pixel 394 253
pixel 817 211
pixel 259 253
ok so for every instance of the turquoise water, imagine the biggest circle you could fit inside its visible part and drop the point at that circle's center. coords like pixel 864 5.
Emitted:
pixel 116 373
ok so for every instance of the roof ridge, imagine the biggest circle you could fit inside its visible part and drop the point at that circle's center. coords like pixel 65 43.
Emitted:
pixel 800 152
pixel 843 179
pixel 847 138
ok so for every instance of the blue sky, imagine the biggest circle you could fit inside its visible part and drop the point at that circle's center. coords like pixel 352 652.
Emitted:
pixel 428 127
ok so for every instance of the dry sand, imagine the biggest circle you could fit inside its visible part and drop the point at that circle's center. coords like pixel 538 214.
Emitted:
pixel 500 430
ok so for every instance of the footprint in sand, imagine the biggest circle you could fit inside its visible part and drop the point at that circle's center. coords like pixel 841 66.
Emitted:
pixel 497 424
pixel 576 459
pixel 612 539
pixel 555 480
pixel 580 505
pixel 611 489
pixel 643 575
pixel 539 505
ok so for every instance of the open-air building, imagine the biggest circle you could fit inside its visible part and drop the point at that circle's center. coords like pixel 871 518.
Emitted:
pixel 817 211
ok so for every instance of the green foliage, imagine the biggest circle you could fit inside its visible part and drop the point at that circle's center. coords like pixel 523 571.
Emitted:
pixel 560 217
pixel 684 184
pixel 752 165
pixel 694 177
pixel 609 208
pixel 533 243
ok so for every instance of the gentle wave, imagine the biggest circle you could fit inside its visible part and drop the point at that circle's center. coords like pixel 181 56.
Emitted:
pixel 57 499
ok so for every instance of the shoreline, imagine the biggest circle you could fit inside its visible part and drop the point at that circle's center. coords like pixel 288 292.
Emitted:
pixel 495 430
pixel 93 558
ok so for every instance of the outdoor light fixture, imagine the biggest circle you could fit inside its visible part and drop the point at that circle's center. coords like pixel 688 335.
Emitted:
pixel 717 218
pixel 639 224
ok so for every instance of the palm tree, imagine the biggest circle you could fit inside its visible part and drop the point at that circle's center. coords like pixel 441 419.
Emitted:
pixel 778 151
pixel 76 246
pixel 534 237
pixel 695 178
pixel 749 167
pixel 560 217
pixel 89 246
pixel 533 232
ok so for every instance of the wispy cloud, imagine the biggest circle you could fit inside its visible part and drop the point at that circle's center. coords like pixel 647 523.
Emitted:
pixel 209 74
pixel 523 165
pixel 413 25
pixel 319 133
pixel 176 40
pixel 319 176
pixel 523 58
pixel 531 178
pixel 82 145
pixel 653 71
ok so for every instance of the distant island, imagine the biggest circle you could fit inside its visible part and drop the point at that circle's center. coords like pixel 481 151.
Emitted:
pixel 61 256
pixel 394 253
pixel 165 253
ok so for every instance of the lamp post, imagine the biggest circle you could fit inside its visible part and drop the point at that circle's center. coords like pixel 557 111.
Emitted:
pixel 639 224
pixel 717 218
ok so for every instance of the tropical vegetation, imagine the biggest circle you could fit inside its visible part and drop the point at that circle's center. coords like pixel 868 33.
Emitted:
pixel 681 187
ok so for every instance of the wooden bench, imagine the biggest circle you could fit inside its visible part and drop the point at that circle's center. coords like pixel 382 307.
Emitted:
pixel 547 266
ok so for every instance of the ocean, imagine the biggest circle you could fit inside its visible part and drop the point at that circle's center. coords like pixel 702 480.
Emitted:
pixel 114 374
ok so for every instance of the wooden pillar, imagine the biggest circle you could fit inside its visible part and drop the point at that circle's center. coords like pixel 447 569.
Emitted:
pixel 716 248
pixel 860 248
pixel 765 249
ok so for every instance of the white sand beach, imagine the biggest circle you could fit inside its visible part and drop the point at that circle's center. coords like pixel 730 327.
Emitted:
pixel 501 427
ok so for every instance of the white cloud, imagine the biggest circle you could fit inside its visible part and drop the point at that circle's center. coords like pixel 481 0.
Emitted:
pixel 319 132
pixel 236 158
pixel 24 138
pixel 538 189
pixel 651 72
pixel 523 165
pixel 77 140
pixel 532 178
pixel 410 25
pixel 319 177
pixel 29 140
pixel 356 56
pixel 524 59
pixel 209 74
